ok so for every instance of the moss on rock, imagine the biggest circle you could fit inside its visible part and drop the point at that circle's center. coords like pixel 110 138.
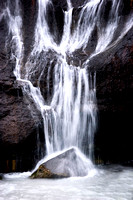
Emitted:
pixel 43 172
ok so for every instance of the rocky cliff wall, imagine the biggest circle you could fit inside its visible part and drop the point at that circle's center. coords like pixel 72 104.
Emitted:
pixel 115 101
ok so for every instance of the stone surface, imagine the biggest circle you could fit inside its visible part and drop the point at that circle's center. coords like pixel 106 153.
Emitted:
pixel 66 164
pixel 43 172
pixel 18 127
pixel 114 70
pixel 14 108
pixel 114 76
pixel 63 4
pixel 21 131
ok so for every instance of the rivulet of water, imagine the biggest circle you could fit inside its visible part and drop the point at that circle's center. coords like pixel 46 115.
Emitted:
pixel 70 110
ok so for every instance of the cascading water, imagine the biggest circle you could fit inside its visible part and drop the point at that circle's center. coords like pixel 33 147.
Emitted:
pixel 69 107
pixel 70 118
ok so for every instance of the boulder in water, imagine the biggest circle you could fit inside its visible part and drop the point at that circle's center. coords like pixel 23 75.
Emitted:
pixel 67 164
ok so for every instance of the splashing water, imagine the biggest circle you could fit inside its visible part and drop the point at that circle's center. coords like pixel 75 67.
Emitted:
pixel 69 112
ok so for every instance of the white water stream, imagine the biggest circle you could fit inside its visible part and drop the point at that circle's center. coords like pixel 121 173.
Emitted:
pixel 70 117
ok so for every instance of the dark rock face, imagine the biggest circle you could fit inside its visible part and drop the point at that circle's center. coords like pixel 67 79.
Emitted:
pixel 63 4
pixel 115 101
pixel 21 131
pixel 1 176
pixel 66 164
pixel 29 15
pixel 18 128
pixel 13 109
pixel 55 16
pixel 114 75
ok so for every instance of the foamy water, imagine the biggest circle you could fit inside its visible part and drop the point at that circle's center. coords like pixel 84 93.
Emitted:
pixel 116 183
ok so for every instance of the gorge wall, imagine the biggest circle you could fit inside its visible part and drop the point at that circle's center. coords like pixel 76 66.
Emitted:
pixel 20 133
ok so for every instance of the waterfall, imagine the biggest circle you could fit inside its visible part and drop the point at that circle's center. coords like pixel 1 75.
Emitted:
pixel 64 92
pixel 70 115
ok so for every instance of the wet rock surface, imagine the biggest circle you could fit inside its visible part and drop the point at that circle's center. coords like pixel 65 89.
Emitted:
pixel 114 75
pixel 43 172
pixel 18 127
pixel 61 166
pixel 63 4
pixel 115 101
